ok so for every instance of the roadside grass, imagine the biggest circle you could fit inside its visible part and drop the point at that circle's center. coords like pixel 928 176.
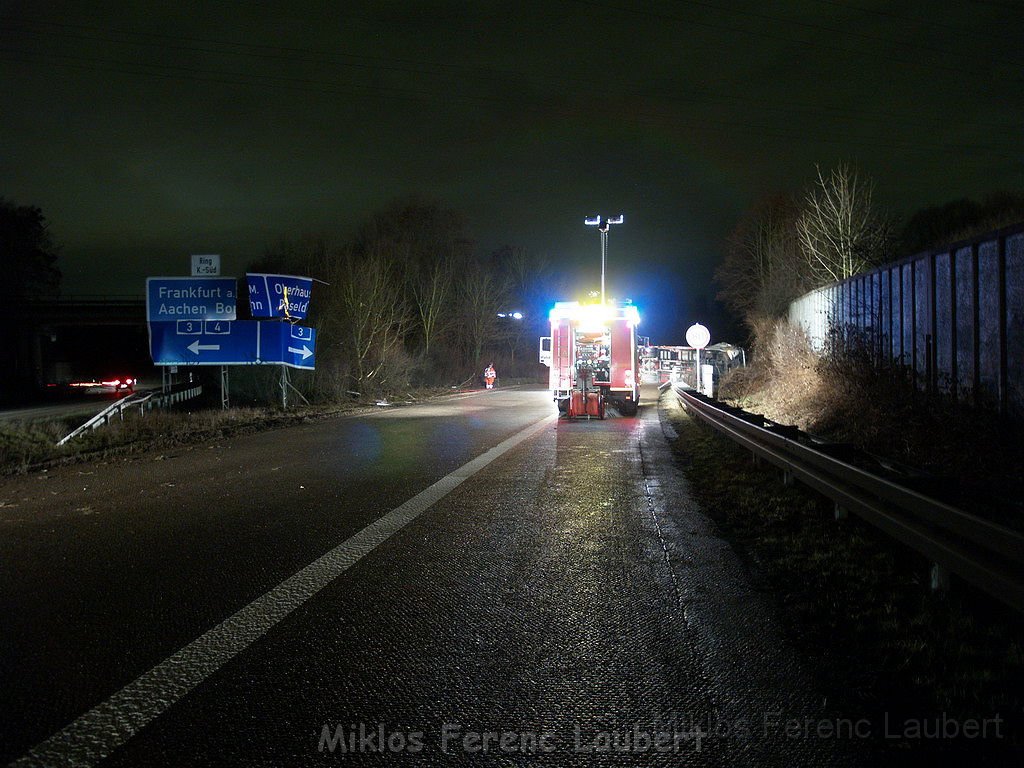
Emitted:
pixel 857 604
pixel 25 446
pixel 26 443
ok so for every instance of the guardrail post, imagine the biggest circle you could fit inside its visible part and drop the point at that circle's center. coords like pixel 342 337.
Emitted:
pixel 224 388
pixel 787 478
pixel 939 580
pixel 841 513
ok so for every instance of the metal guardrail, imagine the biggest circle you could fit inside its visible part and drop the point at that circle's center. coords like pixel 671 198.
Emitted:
pixel 144 401
pixel 102 418
pixel 987 555
pixel 170 398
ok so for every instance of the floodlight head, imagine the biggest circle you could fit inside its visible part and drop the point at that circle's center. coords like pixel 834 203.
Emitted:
pixel 616 219
pixel 592 221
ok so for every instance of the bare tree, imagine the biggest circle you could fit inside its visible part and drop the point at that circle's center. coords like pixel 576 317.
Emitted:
pixel 764 268
pixel 484 292
pixel 529 275
pixel 430 286
pixel 426 240
pixel 406 284
pixel 521 268
pixel 840 231
pixel 372 317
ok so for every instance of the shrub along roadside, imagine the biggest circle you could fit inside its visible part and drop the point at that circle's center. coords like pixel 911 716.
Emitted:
pixel 972 453
pixel 857 605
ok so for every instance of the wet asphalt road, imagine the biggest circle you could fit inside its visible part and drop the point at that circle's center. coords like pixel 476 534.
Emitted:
pixel 568 593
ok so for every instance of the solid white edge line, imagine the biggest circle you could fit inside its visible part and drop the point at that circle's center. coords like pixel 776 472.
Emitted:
pixel 93 736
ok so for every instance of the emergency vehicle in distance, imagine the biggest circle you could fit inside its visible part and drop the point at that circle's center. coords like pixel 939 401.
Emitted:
pixel 593 358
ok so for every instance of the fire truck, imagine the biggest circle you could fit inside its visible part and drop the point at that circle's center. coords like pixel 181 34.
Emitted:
pixel 593 358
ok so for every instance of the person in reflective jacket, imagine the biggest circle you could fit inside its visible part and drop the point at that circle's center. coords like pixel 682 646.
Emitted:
pixel 490 375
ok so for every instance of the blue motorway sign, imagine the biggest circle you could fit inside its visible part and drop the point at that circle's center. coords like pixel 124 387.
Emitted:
pixel 291 345
pixel 279 295
pixel 191 298
pixel 232 342
pixel 204 342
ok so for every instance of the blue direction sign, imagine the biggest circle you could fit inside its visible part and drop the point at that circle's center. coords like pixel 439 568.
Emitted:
pixel 231 342
pixel 279 295
pixel 191 298
pixel 204 342
pixel 291 345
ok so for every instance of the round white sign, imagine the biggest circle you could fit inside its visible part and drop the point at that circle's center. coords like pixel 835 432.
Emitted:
pixel 697 336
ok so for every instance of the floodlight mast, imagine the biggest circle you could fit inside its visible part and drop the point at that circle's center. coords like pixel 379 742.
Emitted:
pixel 602 227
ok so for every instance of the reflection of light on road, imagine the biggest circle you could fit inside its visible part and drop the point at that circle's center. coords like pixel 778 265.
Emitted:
pixel 428 412
pixel 453 436
pixel 365 443
pixel 393 449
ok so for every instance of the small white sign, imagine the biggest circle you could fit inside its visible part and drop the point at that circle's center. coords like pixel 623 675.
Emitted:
pixel 206 266
pixel 697 336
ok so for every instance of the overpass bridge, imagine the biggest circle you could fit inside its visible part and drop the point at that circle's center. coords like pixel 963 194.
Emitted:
pixel 47 341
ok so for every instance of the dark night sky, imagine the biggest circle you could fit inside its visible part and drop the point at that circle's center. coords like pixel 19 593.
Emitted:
pixel 149 131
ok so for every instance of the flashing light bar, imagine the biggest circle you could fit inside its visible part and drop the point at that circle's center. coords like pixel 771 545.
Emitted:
pixel 594 315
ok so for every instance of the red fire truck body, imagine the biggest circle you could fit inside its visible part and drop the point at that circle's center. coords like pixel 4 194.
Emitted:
pixel 593 358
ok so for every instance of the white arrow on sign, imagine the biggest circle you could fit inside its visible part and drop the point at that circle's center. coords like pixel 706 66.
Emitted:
pixel 195 347
pixel 305 351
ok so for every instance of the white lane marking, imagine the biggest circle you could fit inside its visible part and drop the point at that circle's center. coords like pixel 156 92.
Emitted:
pixel 111 723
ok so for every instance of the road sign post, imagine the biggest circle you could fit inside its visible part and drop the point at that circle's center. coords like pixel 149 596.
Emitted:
pixel 698 337
pixel 225 391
